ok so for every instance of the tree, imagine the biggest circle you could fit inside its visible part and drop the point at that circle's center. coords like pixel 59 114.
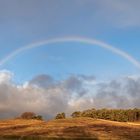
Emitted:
pixel 28 115
pixel 60 116
pixel 76 114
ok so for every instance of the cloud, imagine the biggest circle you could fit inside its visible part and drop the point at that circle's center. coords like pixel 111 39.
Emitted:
pixel 87 77
pixel 45 17
pixel 72 83
pixel 46 96
pixel 42 80
pixel 5 76
pixel 126 13
pixel 122 93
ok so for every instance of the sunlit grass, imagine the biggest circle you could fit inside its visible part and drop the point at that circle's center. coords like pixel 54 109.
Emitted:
pixel 71 128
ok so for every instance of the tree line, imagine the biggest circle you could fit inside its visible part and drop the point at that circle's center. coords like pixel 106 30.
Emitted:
pixel 122 115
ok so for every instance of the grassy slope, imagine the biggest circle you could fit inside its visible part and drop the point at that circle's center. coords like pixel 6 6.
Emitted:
pixel 69 128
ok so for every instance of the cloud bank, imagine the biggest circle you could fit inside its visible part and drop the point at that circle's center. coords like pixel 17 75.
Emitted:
pixel 46 96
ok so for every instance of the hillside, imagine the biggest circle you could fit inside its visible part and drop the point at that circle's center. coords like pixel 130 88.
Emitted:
pixel 78 128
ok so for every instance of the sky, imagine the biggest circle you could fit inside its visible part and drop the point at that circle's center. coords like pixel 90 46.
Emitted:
pixel 68 75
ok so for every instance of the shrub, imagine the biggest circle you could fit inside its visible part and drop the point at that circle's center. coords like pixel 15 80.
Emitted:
pixel 39 117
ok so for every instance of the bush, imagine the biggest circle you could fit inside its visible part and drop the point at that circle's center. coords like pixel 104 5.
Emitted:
pixel 60 116
pixel 39 117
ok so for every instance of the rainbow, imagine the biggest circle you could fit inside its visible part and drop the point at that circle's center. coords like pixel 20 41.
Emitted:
pixel 72 39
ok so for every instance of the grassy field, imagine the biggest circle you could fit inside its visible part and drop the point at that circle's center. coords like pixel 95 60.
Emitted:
pixel 78 128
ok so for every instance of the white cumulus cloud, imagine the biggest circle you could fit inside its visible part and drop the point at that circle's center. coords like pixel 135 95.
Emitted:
pixel 43 95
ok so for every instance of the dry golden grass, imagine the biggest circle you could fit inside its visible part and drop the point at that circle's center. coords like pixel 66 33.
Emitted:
pixel 82 128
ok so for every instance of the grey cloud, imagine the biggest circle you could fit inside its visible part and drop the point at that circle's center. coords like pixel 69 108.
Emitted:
pixel 75 84
pixel 42 80
pixel 133 86
pixel 72 83
pixel 33 16
pixel 122 93
pixel 34 20
pixel 126 13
